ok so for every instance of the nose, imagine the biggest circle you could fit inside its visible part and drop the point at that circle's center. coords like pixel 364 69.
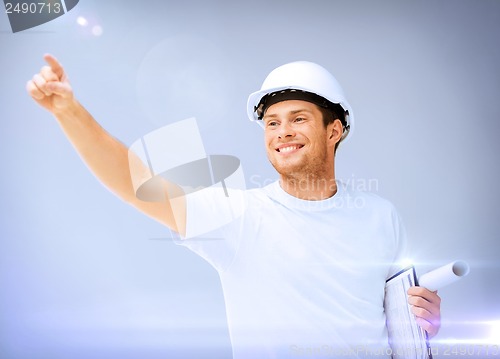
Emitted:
pixel 285 130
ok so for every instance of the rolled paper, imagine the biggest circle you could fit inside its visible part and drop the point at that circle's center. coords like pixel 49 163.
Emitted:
pixel 442 276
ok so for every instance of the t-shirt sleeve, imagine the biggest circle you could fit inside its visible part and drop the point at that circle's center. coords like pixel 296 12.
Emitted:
pixel 212 224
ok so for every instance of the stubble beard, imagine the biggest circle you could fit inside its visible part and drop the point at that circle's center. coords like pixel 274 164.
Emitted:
pixel 311 172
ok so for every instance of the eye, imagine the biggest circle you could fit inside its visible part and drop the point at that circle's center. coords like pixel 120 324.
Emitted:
pixel 272 124
pixel 299 119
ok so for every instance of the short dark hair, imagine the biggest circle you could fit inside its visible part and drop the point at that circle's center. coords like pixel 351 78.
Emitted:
pixel 332 113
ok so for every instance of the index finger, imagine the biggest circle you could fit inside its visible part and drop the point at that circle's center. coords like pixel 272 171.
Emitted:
pixel 424 293
pixel 54 65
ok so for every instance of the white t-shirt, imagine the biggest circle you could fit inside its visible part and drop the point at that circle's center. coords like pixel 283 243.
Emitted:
pixel 300 278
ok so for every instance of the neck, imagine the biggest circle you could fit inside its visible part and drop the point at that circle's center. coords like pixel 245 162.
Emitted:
pixel 312 187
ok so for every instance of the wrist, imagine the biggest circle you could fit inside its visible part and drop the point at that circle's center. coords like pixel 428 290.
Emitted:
pixel 70 110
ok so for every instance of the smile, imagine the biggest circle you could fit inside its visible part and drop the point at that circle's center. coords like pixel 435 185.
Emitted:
pixel 288 148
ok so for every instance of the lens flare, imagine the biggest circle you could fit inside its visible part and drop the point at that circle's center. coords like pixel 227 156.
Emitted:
pixel 406 262
pixel 82 21
pixel 97 30
pixel 495 332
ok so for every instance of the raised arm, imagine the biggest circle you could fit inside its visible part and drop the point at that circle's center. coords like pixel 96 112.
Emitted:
pixel 106 157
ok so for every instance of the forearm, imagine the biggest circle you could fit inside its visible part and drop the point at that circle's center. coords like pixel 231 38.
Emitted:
pixel 105 156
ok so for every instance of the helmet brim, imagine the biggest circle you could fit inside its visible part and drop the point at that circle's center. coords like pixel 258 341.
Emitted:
pixel 255 98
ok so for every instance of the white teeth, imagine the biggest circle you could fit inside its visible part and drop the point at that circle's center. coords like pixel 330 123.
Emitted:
pixel 288 149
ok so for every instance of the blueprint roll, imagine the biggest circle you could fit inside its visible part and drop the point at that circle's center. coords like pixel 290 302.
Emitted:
pixel 442 276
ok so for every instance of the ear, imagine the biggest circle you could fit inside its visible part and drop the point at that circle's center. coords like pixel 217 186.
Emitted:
pixel 334 131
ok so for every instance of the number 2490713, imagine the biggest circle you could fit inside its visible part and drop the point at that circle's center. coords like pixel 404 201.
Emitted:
pixel 33 8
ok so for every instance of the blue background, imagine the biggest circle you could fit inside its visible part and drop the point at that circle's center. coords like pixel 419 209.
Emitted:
pixel 83 275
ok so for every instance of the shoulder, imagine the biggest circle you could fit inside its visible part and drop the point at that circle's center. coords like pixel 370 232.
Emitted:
pixel 366 199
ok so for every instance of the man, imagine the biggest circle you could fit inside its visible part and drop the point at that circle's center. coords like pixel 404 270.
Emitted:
pixel 304 261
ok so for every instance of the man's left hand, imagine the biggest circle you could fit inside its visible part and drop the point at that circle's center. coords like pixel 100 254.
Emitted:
pixel 426 306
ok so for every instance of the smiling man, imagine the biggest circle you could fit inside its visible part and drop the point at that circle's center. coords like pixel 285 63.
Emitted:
pixel 304 262
pixel 300 150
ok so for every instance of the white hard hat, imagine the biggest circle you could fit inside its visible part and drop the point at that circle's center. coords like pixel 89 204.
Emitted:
pixel 307 77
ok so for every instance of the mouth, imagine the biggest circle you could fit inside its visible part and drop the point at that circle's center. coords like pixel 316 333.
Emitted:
pixel 288 148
